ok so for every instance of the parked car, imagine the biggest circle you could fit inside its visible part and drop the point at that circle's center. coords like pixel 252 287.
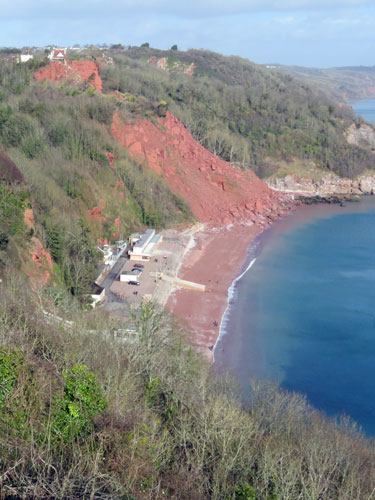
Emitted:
pixel 136 270
pixel 140 266
pixel 137 283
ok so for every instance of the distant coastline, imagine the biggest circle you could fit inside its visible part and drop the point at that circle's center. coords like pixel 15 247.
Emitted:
pixel 364 108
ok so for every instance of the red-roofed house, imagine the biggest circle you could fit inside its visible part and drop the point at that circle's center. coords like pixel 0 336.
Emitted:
pixel 58 55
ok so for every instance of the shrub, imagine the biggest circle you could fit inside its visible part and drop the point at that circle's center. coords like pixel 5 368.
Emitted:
pixel 82 400
pixel 32 146
pixel 9 365
pixel 3 240
pixel 15 129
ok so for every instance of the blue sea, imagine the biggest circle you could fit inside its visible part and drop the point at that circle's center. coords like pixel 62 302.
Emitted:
pixel 304 312
pixel 364 108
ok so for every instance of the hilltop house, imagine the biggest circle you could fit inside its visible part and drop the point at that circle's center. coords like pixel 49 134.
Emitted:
pixel 58 55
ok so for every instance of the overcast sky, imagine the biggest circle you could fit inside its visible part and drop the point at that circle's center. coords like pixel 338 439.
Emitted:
pixel 319 33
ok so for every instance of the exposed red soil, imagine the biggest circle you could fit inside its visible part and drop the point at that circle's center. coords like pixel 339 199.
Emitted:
pixel 28 218
pixel 215 190
pixel 40 272
pixel 77 71
pixel 111 159
pixel 96 213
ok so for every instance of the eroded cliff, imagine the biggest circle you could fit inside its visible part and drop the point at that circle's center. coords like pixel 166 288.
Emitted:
pixel 215 190
pixel 76 71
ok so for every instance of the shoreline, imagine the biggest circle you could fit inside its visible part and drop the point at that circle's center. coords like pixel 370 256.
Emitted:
pixel 219 257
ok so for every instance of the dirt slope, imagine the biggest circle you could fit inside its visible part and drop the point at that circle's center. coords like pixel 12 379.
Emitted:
pixel 78 71
pixel 215 190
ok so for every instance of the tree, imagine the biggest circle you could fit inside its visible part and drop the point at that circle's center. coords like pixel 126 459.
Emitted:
pixel 174 47
pixel 4 239
pixel 117 46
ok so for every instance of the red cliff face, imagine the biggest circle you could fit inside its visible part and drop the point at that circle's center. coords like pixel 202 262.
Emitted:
pixel 78 71
pixel 214 189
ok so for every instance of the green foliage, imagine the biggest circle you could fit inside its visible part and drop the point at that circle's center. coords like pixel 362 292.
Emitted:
pixel 33 109
pixel 245 492
pixel 154 203
pixel 73 413
pixel 242 112
pixel 14 78
pixel 15 129
pixel 13 201
pixel 80 260
pixel 9 366
pixel 101 109
pixel 55 242
pixel 170 429
pixel 117 46
pixel 33 146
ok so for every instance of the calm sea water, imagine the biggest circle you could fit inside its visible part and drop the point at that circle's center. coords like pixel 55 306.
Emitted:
pixel 365 108
pixel 304 314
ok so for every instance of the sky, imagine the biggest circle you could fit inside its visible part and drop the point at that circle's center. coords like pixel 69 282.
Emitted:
pixel 315 33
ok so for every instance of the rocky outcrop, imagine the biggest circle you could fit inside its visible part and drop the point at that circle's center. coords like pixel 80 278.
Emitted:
pixel 361 136
pixel 329 184
pixel 76 71
pixel 176 66
pixel 215 190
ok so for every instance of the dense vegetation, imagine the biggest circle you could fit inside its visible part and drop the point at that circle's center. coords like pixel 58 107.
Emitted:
pixel 242 112
pixel 56 139
pixel 87 413
pixel 96 407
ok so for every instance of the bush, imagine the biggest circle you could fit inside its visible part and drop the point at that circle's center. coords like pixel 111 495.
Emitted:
pixel 33 146
pixel 82 400
pixel 3 240
pixel 9 365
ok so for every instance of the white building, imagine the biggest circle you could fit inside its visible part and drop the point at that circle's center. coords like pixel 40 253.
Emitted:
pixel 144 248
pixel 26 57
pixel 127 276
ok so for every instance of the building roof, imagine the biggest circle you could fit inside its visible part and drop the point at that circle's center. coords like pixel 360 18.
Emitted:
pixel 58 54
pixel 131 273
pixel 143 242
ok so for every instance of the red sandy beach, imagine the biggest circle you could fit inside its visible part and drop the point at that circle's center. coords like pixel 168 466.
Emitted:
pixel 215 261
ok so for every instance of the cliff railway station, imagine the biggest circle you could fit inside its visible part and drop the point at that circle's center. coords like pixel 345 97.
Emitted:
pixel 144 248
pixel 151 268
